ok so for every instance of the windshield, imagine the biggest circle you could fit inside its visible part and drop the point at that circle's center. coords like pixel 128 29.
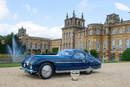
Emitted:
pixel 89 56
pixel 65 53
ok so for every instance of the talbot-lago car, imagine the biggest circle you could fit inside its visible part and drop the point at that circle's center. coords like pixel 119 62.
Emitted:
pixel 64 61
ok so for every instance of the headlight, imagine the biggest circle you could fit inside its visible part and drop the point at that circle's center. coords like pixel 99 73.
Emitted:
pixel 30 66
pixel 27 63
pixel 24 65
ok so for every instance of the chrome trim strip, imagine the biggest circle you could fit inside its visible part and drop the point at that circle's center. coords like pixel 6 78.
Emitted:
pixel 68 62
pixel 66 71
pixel 29 70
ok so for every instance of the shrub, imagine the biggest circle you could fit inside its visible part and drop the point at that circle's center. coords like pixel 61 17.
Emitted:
pixel 126 55
pixel 86 50
pixel 93 53
pixel 54 50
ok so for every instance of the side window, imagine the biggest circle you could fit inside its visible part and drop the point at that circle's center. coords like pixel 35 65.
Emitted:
pixel 79 56
pixel 67 53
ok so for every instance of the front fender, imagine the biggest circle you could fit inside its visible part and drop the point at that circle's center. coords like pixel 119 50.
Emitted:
pixel 38 62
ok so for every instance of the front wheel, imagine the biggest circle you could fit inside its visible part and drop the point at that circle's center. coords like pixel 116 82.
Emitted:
pixel 89 70
pixel 46 70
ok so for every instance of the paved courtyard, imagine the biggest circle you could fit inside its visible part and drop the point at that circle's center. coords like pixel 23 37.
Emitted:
pixel 110 75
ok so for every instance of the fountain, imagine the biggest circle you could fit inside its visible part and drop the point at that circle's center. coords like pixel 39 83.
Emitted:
pixel 14 52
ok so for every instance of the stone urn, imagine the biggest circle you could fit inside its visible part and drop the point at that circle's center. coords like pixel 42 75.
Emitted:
pixel 75 75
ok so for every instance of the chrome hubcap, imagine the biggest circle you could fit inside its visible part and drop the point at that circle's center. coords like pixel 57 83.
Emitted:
pixel 46 71
pixel 89 70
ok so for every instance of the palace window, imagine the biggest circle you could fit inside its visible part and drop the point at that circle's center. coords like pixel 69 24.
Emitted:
pixel 91 32
pixel 104 44
pixel 113 44
pixel 84 45
pixel 35 45
pixel 70 34
pixel 113 31
pixel 105 31
pixel 81 45
pixel 97 31
pixel 30 45
pixel 120 44
pixel 41 46
pixel 77 45
pixel 89 44
pixel 98 44
pixel 80 35
pixel 127 43
pixel 69 45
pixel 78 23
pixel 45 46
pixel 120 30
pixel 127 29
pixel 66 45
pixel 66 35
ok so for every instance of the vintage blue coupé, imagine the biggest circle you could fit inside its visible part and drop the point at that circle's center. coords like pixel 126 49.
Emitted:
pixel 64 61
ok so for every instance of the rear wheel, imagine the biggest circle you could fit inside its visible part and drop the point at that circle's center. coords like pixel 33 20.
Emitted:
pixel 46 70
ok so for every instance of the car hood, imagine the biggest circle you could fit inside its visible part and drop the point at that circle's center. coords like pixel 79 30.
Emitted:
pixel 32 59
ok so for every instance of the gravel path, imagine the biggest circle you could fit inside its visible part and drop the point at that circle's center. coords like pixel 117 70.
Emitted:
pixel 111 75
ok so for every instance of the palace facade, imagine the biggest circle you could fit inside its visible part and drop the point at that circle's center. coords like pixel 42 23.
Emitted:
pixel 109 39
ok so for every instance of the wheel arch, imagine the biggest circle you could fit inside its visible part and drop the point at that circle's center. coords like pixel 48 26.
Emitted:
pixel 48 62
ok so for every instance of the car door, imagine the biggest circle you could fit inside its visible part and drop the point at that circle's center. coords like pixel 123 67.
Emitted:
pixel 65 61
pixel 79 61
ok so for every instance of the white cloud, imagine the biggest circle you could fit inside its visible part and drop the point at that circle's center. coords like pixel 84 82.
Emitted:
pixel 82 5
pixel 122 7
pixel 32 30
pixel 27 6
pixel 3 9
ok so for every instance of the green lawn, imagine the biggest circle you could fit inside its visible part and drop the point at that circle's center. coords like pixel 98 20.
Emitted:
pixel 10 64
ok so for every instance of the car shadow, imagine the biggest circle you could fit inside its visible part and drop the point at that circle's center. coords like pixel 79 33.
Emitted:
pixel 60 75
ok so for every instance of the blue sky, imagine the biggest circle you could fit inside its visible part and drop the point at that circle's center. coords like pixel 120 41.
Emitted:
pixel 44 18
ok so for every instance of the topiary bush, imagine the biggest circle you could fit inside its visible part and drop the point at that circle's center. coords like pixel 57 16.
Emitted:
pixel 126 55
pixel 55 50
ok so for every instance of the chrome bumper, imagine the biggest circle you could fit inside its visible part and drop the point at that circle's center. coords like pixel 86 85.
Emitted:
pixel 28 70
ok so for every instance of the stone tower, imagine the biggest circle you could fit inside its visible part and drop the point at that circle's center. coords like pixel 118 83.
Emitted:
pixel 72 24
pixel 22 32
pixel 74 21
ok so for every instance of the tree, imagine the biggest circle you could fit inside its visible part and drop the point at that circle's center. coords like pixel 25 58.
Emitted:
pixel 126 55
pixel 8 41
pixel 86 50
pixel 93 53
